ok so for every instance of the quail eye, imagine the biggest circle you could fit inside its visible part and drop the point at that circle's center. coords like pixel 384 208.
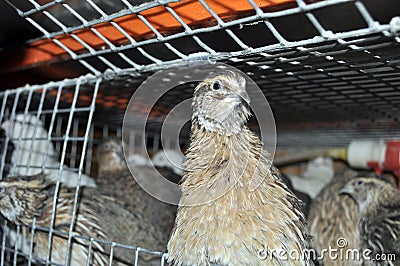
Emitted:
pixel 359 183
pixel 217 86
pixel 107 146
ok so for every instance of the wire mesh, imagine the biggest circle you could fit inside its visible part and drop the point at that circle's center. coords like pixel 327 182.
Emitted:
pixel 331 79
pixel 100 41
pixel 336 69
pixel 49 123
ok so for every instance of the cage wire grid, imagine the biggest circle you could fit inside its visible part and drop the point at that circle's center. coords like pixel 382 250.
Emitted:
pixel 62 134
pixel 322 74
pixel 63 153
pixel 330 66
pixel 62 38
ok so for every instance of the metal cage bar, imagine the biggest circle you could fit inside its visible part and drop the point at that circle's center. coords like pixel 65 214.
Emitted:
pixel 107 47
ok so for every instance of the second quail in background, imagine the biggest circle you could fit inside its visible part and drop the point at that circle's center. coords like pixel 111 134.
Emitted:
pixel 114 178
pixel 378 204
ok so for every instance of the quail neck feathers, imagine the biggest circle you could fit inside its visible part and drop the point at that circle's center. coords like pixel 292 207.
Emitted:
pixel 222 162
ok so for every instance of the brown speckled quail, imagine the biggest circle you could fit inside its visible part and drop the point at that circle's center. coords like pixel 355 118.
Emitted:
pixel 334 215
pixel 224 218
pixel 379 219
pixel 22 198
pixel 115 179
pixel 128 228
pixel 98 216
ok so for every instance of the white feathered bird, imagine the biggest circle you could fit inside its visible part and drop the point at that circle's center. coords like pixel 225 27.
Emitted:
pixel 317 174
pixel 33 150
pixel 170 159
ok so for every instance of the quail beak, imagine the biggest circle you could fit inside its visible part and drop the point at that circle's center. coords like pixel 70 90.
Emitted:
pixel 245 97
pixel 242 98
pixel 346 190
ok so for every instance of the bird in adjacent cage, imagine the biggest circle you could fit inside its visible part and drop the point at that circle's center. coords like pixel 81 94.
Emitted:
pixel 132 229
pixel 115 179
pixel 169 163
pixel 98 216
pixel 333 219
pixel 317 174
pixel 34 152
pixel 378 204
pixel 124 227
pixel 233 209
pixel 25 197
pixel 22 198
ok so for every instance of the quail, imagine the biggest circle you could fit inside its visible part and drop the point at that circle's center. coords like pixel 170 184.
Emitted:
pixel 233 209
pixel 25 197
pixel 378 204
pixel 98 216
pixel 115 179
pixel 334 216
pixel 333 219
pixel 125 228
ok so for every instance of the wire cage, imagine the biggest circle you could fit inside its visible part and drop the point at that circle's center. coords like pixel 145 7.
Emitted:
pixel 46 127
pixel 329 69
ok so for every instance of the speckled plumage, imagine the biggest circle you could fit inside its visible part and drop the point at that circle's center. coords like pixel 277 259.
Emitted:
pixel 379 220
pixel 30 195
pixel 332 216
pixel 232 207
pixel 124 227
pixel 21 198
pixel 155 217
pixel 335 215
pixel 87 224
pixel 101 217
